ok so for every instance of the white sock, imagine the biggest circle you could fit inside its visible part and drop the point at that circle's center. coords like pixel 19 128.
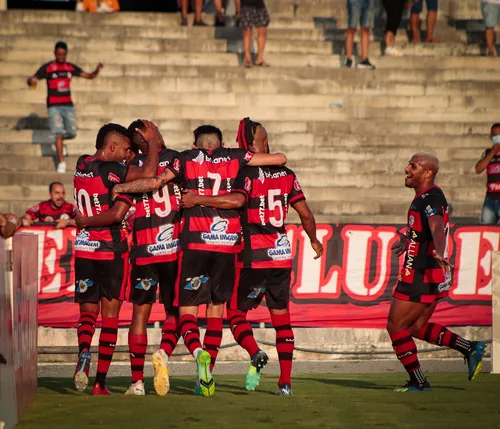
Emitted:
pixel 197 352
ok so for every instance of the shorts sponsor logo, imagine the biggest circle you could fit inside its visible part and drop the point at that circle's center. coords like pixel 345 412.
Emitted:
pixel 218 234
pixel 282 251
pixel 113 178
pixel 165 243
pixel 256 292
pixel 195 283
pixel 83 242
pixel 83 285
pixel 145 284
pixel 442 287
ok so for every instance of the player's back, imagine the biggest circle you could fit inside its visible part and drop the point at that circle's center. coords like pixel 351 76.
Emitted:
pixel 269 191
pixel 157 217
pixel 93 180
pixel 211 173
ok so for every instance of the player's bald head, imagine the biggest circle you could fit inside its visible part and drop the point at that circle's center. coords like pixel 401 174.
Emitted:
pixel 428 161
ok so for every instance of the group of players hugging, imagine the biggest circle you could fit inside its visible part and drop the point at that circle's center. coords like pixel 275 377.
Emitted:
pixel 208 229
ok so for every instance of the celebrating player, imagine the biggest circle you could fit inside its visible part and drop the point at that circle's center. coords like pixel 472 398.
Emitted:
pixel 425 277
pixel 209 241
pixel 101 252
pixel 265 264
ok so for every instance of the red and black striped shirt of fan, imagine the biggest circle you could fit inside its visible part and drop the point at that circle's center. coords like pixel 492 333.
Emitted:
pixel 493 174
pixel 94 179
pixel 156 224
pixel 421 278
pixel 269 192
pixel 45 211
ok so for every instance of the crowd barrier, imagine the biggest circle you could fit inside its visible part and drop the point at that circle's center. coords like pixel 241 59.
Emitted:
pixel 18 326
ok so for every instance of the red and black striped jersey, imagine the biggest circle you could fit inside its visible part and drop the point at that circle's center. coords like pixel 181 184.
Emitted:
pixel 93 181
pixel 269 192
pixel 156 225
pixel 58 77
pixel 493 171
pixel 45 212
pixel 210 173
pixel 420 266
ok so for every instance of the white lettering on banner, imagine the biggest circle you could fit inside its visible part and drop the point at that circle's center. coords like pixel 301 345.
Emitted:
pixel 473 262
pixel 50 261
pixel 357 261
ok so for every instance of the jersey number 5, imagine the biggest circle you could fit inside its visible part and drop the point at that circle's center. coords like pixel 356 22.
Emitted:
pixel 273 201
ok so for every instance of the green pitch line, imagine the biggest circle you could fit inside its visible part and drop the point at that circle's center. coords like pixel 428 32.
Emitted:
pixel 319 401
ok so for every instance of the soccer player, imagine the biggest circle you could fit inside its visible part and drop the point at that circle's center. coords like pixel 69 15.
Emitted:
pixel 425 277
pixel 55 209
pixel 265 264
pixel 62 117
pixel 101 252
pixel 209 241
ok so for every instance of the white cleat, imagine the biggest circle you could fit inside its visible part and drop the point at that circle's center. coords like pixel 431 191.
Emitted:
pixel 161 380
pixel 136 389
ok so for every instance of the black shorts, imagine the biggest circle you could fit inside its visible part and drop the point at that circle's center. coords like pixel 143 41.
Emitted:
pixel 426 293
pixel 252 284
pixel 144 281
pixel 204 277
pixel 96 279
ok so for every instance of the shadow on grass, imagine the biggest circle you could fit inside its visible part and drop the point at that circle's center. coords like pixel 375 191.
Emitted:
pixel 359 384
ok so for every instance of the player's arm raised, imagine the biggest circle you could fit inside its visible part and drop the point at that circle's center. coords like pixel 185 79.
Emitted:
pixel 233 200
pixel 267 159
pixel 152 137
pixel 109 217
pixel 436 225
pixel 309 225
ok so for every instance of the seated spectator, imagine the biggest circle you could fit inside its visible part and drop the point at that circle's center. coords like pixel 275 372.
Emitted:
pixel 360 12
pixel 97 6
pixel 55 209
pixel 9 224
pixel 254 14
pixel 491 18
pixel 416 10
pixel 490 161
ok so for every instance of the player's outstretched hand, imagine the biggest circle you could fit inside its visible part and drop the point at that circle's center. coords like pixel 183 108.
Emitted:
pixel 188 199
pixel 444 263
pixel 318 248
pixel 151 135
pixel 400 247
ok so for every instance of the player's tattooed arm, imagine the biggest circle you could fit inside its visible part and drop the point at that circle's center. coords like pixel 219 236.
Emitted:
pixel 309 225
pixel 436 225
pixel 267 159
pixel 233 200
pixel 143 185
pixel 109 217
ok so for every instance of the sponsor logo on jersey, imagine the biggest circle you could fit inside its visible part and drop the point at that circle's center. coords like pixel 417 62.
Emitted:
pixel 494 169
pixel 113 178
pixel 256 292
pixel 83 285
pixel 200 159
pixel 165 244
pixel 248 184
pixel 176 165
pixel 195 283
pixel 411 220
pixel 218 234
pixel 145 284
pixel 83 242
pixel 248 156
pixel 282 250
pixel 430 211
pixel 83 175
pixel 296 185
pixel 262 176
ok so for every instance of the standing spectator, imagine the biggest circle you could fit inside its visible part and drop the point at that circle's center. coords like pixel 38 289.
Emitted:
pixel 394 10
pixel 360 12
pixel 491 18
pixel 55 209
pixel 416 10
pixel 490 161
pixel 9 224
pixel 62 117
pixel 198 7
pixel 254 14
pixel 220 7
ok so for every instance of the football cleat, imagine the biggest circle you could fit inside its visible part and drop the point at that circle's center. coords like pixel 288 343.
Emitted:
pixel 252 377
pixel 475 359
pixel 284 390
pixel 81 376
pixel 136 389
pixel 205 386
pixel 414 387
pixel 161 380
pixel 98 391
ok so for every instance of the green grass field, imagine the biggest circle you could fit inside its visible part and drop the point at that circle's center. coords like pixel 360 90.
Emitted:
pixel 319 401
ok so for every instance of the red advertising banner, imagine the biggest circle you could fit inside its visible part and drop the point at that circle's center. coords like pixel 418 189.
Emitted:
pixel 350 286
